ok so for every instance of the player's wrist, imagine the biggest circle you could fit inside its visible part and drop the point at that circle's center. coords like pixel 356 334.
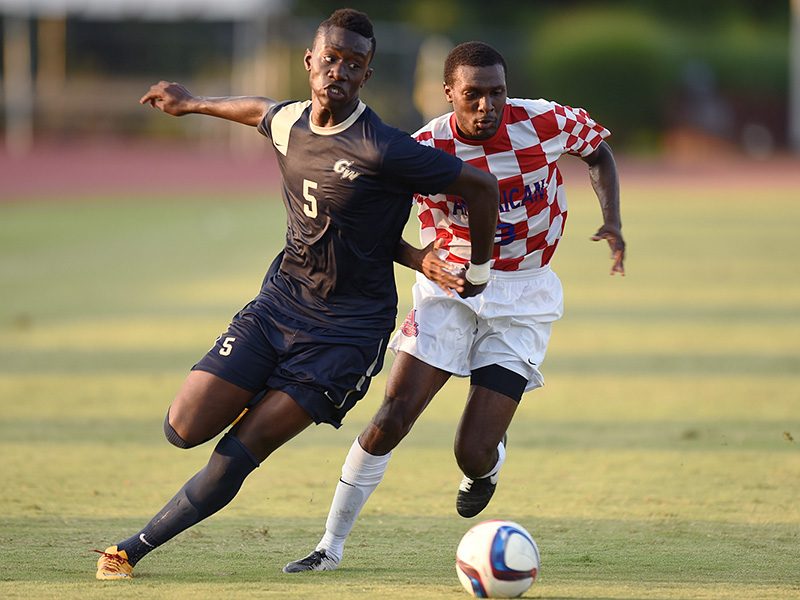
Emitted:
pixel 478 274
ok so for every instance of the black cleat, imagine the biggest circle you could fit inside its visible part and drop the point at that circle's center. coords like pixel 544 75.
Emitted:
pixel 474 494
pixel 318 560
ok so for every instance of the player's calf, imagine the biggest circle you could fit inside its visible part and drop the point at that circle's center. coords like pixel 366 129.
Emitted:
pixel 474 494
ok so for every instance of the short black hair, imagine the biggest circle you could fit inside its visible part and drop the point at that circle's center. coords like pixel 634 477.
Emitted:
pixel 472 54
pixel 352 20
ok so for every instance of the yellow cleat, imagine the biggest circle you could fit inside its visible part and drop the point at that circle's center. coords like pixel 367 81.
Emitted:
pixel 113 564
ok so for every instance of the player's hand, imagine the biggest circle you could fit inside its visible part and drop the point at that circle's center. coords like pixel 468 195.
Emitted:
pixel 471 289
pixel 438 271
pixel 169 97
pixel 613 235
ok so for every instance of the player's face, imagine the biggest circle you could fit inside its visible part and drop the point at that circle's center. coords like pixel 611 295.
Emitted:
pixel 338 66
pixel 478 96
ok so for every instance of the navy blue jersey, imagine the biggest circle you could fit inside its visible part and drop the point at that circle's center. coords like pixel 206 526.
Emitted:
pixel 348 193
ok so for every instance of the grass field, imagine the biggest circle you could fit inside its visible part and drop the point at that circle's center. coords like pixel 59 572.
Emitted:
pixel 662 460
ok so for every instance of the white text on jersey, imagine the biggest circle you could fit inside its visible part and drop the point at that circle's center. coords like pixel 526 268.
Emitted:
pixel 343 168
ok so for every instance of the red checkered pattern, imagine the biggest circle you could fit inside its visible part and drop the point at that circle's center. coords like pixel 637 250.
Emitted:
pixel 522 155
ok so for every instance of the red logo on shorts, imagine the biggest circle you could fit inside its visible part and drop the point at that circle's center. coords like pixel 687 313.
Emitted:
pixel 410 327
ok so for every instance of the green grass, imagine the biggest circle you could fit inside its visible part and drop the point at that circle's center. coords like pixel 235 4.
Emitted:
pixel 661 460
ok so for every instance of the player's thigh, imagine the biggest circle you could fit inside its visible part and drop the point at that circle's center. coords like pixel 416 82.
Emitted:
pixel 205 405
pixel 272 422
pixel 222 383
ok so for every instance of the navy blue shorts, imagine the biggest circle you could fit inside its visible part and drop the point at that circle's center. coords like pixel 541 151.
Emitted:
pixel 323 373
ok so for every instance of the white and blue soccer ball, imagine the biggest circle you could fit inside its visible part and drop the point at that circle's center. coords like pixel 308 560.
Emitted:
pixel 497 559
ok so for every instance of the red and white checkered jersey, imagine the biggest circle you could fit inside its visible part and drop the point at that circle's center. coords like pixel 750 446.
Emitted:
pixel 522 155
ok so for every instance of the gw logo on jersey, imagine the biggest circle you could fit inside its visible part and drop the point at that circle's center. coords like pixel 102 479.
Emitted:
pixel 343 168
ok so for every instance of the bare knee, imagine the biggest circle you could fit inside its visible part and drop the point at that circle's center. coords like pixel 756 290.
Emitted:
pixel 180 436
pixel 389 426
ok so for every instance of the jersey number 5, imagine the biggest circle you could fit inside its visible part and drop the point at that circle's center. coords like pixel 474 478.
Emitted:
pixel 227 346
pixel 311 208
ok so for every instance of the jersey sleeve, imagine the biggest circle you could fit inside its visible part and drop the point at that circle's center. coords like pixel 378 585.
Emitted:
pixel 278 122
pixel 580 134
pixel 264 127
pixel 418 167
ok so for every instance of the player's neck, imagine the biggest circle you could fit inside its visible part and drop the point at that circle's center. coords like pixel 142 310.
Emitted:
pixel 326 116
pixel 470 138
pixel 466 136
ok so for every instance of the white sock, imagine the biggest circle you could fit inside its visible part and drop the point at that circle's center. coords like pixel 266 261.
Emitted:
pixel 501 458
pixel 361 474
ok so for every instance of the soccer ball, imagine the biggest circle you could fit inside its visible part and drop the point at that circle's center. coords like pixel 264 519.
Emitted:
pixel 497 559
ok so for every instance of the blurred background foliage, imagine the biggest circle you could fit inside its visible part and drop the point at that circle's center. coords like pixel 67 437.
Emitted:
pixel 653 72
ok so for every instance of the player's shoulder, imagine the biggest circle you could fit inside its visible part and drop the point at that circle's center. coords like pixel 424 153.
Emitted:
pixel 438 128
pixel 382 141
pixel 551 108
pixel 549 117
pixel 379 132
pixel 533 108
pixel 287 110
pixel 280 119
pixel 290 105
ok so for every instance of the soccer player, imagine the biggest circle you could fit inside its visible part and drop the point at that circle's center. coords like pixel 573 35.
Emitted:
pixel 316 333
pixel 500 338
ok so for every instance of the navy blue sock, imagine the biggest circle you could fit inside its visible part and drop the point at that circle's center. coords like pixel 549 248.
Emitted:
pixel 213 487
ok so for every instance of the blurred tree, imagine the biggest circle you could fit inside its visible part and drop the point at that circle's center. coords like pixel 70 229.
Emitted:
pixel 633 63
pixel 697 14
pixel 627 61
pixel 510 14
pixel 434 16
pixel 147 47
pixel 620 65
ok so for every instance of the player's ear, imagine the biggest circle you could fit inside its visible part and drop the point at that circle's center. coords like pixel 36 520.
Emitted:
pixel 307 60
pixel 367 75
pixel 448 93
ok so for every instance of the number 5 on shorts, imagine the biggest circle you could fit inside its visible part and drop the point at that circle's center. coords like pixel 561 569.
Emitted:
pixel 227 346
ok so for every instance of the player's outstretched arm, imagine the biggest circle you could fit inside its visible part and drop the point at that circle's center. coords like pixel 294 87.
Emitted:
pixel 482 197
pixel 427 262
pixel 174 99
pixel 605 182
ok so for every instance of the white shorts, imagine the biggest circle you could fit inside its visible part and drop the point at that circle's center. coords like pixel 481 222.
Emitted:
pixel 506 325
